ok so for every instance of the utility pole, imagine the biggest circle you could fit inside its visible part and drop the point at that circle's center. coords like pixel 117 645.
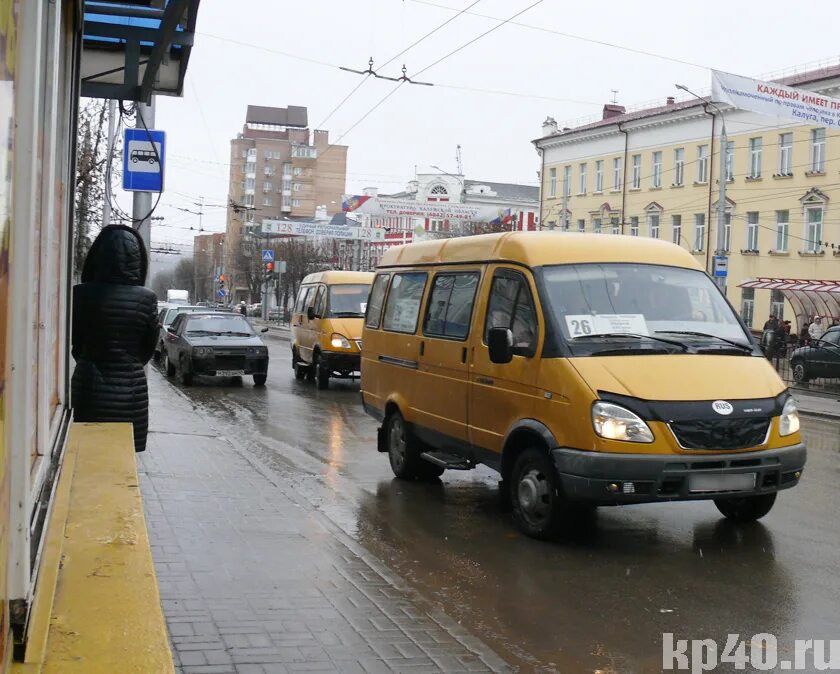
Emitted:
pixel 112 112
pixel 142 206
pixel 720 256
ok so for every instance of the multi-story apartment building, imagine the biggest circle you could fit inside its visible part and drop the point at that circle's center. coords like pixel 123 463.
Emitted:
pixel 655 172
pixel 278 169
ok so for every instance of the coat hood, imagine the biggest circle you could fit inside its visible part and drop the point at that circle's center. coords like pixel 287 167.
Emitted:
pixel 118 255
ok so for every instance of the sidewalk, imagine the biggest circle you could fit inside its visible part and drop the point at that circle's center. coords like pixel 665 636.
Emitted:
pixel 276 330
pixel 254 580
pixel 816 405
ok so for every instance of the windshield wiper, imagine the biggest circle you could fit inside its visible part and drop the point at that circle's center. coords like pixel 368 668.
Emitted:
pixel 200 332
pixel 633 335
pixel 690 333
pixel 233 333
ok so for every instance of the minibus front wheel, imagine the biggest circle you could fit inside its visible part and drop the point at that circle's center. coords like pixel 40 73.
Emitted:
pixel 539 507
pixel 404 451
pixel 746 508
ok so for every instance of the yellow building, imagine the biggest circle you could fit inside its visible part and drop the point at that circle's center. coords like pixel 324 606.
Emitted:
pixel 654 172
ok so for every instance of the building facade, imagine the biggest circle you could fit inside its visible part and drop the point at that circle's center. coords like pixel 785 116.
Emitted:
pixel 655 172
pixel 514 207
pixel 279 168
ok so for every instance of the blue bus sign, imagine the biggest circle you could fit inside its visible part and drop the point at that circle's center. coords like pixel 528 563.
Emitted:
pixel 144 158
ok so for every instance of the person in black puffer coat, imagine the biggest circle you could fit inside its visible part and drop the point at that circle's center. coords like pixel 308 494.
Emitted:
pixel 115 328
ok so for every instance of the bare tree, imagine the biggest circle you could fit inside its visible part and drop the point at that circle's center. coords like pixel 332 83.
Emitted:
pixel 91 164
pixel 161 282
pixel 183 276
pixel 302 256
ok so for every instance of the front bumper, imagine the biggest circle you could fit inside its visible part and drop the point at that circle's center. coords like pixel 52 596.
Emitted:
pixel 343 364
pixel 208 367
pixel 603 479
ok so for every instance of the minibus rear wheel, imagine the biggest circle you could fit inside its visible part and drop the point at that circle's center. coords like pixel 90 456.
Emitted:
pixel 539 507
pixel 746 508
pixel 404 451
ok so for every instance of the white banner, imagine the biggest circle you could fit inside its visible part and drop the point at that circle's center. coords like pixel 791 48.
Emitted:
pixel 775 100
pixel 294 228
pixel 436 210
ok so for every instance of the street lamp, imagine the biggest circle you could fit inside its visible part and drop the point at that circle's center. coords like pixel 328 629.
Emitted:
pixel 721 209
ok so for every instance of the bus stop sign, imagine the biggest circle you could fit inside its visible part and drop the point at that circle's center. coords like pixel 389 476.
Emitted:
pixel 144 156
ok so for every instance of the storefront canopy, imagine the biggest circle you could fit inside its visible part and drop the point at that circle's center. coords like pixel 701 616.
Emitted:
pixel 133 49
pixel 808 298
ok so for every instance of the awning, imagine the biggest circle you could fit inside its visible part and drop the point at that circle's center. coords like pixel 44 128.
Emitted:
pixel 132 49
pixel 808 298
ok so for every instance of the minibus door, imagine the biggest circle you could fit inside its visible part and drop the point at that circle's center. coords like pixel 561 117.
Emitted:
pixel 503 393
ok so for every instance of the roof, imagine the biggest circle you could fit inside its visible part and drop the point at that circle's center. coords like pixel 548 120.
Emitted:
pixel 807 297
pixel 535 249
pixel 810 77
pixel 294 115
pixel 336 277
pixel 511 191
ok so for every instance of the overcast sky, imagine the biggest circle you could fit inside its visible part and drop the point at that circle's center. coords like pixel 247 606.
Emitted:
pixel 268 52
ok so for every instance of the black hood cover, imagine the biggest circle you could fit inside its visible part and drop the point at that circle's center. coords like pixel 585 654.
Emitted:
pixel 118 255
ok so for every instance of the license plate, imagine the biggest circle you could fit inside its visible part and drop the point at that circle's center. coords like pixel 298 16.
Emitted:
pixel 722 482
pixel 229 373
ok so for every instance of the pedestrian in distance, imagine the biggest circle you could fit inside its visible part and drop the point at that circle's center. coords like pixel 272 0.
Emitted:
pixel 815 330
pixel 243 308
pixel 114 331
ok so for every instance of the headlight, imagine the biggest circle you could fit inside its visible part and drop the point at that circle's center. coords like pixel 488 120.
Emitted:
pixel 339 341
pixel 789 421
pixel 614 422
pixel 202 351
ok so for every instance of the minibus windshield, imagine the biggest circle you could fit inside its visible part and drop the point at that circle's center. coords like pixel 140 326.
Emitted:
pixel 348 300
pixel 618 308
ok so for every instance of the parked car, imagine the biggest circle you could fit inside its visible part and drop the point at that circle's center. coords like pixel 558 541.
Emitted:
pixel 214 344
pixel 820 359
pixel 165 318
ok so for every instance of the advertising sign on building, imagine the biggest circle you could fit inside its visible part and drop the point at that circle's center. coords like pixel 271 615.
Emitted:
pixel 775 100
pixel 437 210
pixel 298 228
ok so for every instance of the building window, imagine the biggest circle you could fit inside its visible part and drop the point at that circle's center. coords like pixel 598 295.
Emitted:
pixel 730 160
pixel 699 231
pixel 702 163
pixel 813 229
pixel 657 169
pixel 581 225
pixel 752 230
pixel 818 150
pixel 552 182
pixel 756 146
pixel 244 153
pixel 676 229
pixel 296 187
pixel 250 167
pixel 304 152
pixel 436 225
pixel 252 153
pixel 596 225
pixel 267 187
pixel 248 200
pixel 727 232
pixel 617 174
pixel 250 183
pixel 634 226
pixel 786 154
pixel 582 179
pixel 777 304
pixel 266 201
pixel 616 225
pixel 782 225
pixel 567 180
pixel 747 305
pixel 295 203
pixel 599 175
pixel 653 225
pixel 439 191
pixel 287 169
pixel 679 166
pixel 268 170
pixel 637 171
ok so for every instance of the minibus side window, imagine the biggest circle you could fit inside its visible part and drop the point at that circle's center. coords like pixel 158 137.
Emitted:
pixel 320 301
pixel 512 307
pixel 402 308
pixel 301 300
pixel 450 305
pixel 377 299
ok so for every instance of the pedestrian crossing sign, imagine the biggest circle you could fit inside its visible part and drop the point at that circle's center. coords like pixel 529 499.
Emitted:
pixel 268 255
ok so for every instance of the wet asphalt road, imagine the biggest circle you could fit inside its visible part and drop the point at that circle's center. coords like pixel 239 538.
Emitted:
pixel 599 601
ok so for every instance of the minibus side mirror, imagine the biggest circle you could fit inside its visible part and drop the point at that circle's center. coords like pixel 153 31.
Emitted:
pixel 310 313
pixel 500 345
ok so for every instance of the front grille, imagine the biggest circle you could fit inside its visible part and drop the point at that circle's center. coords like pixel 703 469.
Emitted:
pixel 721 433
pixel 230 362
